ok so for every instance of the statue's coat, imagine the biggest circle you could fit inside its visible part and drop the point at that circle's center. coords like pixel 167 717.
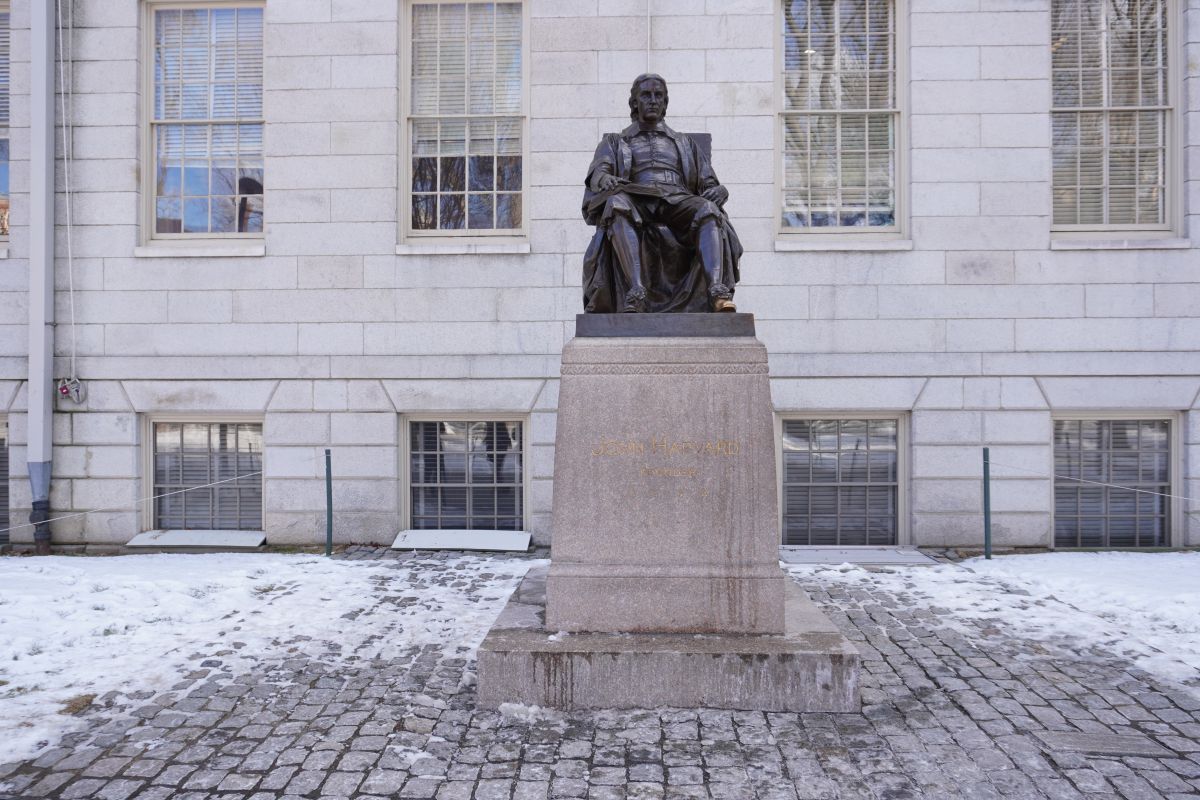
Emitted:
pixel 676 279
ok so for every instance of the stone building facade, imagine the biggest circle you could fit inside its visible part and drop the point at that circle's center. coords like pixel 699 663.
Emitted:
pixel 972 310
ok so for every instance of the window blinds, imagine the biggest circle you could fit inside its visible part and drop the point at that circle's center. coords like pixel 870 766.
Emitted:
pixel 466 475
pixel 188 457
pixel 1111 112
pixel 1128 454
pixel 208 128
pixel 5 84
pixel 465 116
pixel 840 482
pixel 840 114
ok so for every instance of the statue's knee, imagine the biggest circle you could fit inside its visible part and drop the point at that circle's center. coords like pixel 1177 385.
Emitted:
pixel 619 204
pixel 706 220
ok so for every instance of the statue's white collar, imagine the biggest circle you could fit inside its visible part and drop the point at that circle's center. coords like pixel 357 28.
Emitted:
pixel 635 129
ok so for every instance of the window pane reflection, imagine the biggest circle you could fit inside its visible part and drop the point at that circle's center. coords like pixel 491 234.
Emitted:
pixel 840 482
pixel 1132 457
pixel 839 117
pixel 207 129
pixel 467 143
pixel 189 458
pixel 466 475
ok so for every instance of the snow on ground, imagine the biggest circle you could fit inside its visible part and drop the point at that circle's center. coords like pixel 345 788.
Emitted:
pixel 80 626
pixel 1144 606
pixel 72 626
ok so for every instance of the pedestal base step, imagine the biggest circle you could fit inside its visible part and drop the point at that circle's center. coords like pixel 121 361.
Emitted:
pixel 811 667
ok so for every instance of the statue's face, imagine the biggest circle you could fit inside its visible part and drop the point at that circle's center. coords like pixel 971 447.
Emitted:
pixel 651 101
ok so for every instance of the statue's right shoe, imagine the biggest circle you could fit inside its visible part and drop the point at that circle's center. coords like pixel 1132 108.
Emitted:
pixel 721 298
pixel 635 302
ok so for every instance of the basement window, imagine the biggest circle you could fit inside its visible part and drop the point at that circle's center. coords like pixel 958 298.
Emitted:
pixel 208 476
pixel 466 474
pixel 840 481
pixel 1112 481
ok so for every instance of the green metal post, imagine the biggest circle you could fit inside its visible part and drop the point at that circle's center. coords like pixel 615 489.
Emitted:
pixel 987 503
pixel 328 504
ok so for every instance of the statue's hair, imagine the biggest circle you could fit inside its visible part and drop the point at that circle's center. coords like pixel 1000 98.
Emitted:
pixel 633 91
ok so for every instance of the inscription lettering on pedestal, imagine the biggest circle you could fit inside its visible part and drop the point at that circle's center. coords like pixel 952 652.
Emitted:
pixel 697 451
pixel 663 446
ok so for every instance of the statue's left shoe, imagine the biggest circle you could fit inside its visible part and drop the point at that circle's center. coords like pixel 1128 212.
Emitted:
pixel 721 297
pixel 635 301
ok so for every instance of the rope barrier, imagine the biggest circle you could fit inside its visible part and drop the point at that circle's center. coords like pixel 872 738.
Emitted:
pixel 137 502
pixel 1094 483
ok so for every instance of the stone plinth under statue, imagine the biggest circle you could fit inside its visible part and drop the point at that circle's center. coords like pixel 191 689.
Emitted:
pixel 665 586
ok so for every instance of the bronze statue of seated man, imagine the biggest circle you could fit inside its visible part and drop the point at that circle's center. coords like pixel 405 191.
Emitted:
pixel 663 241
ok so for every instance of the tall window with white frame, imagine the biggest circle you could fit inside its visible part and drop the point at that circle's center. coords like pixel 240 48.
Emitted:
pixel 840 481
pixel 206 120
pixel 208 476
pixel 5 35
pixel 1111 115
pixel 4 523
pixel 840 116
pixel 466 474
pixel 466 118
pixel 1112 482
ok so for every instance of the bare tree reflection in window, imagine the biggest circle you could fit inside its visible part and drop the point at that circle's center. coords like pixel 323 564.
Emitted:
pixel 206 124
pixel 1111 112
pixel 465 95
pixel 4 118
pixel 839 167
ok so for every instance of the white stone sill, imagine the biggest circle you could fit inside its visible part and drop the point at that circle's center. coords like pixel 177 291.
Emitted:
pixel 3 249
pixel 1120 244
pixel 817 245
pixel 202 249
pixel 484 248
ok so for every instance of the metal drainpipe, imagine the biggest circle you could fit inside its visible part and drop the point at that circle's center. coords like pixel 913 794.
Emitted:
pixel 41 266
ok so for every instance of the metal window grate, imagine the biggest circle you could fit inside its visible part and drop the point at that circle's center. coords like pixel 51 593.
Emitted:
pixel 840 482
pixel 466 475
pixel 465 122
pixel 1129 453
pixel 1110 113
pixel 207 120
pixel 840 114
pixel 5 84
pixel 189 455
pixel 4 515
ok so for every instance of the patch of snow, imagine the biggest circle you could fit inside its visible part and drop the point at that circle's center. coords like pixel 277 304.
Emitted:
pixel 74 626
pixel 529 714
pixel 406 756
pixel 1143 606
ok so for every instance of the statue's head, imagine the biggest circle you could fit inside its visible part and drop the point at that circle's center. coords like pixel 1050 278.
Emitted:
pixel 645 97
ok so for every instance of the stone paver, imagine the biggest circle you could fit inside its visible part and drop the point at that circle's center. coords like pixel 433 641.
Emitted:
pixel 958 710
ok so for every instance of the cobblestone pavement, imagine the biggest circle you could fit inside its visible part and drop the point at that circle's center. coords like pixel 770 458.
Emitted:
pixel 962 710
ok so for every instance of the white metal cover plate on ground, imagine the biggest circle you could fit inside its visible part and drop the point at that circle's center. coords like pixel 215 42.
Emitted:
pixel 854 555
pixel 221 539
pixel 462 540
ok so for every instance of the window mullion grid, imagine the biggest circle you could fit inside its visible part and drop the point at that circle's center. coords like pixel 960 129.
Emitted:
pixel 837 189
pixel 867 123
pixel 837 123
pixel 468 457
pixel 808 128
pixel 1107 108
pixel 211 491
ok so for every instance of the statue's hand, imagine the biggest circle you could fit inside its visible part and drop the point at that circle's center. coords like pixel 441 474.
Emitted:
pixel 606 182
pixel 717 194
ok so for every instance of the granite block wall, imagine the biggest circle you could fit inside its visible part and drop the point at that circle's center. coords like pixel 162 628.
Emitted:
pixel 974 325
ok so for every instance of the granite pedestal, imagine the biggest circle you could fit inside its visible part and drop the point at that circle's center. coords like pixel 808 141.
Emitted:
pixel 811 666
pixel 665 562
